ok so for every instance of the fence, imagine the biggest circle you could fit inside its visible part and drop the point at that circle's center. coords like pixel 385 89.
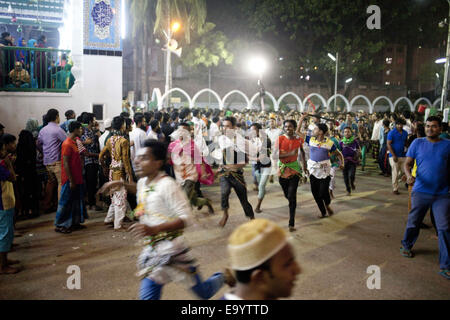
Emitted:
pixel 35 69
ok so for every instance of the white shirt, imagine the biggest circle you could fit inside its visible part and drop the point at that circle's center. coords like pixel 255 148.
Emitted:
pixel 273 134
pixel 163 201
pixel 376 130
pixel 152 135
pixel 214 132
pixel 138 136
pixel 102 139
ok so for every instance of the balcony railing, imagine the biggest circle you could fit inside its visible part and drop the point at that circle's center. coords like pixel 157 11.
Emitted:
pixel 35 69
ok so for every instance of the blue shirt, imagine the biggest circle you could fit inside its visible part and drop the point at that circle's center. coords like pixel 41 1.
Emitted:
pixel 319 151
pixel 354 127
pixel 432 165
pixel 398 142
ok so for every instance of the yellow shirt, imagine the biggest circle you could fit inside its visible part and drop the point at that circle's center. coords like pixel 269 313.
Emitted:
pixel 414 170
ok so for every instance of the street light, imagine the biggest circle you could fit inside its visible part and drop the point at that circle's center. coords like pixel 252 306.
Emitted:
pixel 258 65
pixel 172 46
pixel 336 76
pixel 440 60
pixel 349 80
pixel 175 27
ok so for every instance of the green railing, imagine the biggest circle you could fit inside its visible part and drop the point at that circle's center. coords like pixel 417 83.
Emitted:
pixel 27 69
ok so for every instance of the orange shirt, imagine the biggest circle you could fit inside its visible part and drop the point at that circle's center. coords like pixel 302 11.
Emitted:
pixel 287 145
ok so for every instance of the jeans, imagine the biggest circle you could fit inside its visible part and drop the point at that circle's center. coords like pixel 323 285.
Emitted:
pixel 289 187
pixel 349 175
pixel 238 184
pixel 440 205
pixel 319 189
pixel 91 178
pixel 151 290
pixel 262 178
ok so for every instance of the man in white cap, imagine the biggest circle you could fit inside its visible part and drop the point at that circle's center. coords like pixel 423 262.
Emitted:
pixel 263 262
pixel 105 134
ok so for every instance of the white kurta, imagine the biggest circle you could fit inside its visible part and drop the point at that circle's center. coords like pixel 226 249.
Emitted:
pixel 161 201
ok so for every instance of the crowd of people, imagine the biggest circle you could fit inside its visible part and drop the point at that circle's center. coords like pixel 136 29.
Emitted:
pixel 26 68
pixel 151 167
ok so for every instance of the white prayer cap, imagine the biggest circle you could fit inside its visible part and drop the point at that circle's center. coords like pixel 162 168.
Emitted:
pixel 255 242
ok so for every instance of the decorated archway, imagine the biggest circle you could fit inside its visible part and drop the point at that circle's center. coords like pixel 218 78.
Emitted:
pixel 322 99
pixel 208 90
pixel 236 92
pixel 275 103
pixel 284 95
pixel 411 106
pixel 374 102
pixel 165 95
pixel 436 102
pixel 423 99
pixel 352 102
pixel 347 104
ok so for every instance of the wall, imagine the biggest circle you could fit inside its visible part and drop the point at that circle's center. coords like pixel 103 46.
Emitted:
pixel 102 83
pixel 98 80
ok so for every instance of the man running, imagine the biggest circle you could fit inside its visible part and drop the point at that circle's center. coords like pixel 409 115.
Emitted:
pixel 287 150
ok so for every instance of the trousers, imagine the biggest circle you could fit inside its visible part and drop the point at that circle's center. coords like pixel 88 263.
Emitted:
pixel 150 290
pixel 440 205
pixel 262 177
pixel 91 178
pixel 118 208
pixel 396 171
pixel 238 184
pixel 289 187
pixel 349 175
pixel 319 189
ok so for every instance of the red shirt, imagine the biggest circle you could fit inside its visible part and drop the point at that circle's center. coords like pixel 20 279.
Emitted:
pixel 69 149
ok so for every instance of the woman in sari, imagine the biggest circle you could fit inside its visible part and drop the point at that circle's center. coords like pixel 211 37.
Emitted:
pixel 27 178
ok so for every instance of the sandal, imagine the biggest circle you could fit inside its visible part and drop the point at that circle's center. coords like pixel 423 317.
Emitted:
pixel 406 253
pixel 63 230
pixel 445 273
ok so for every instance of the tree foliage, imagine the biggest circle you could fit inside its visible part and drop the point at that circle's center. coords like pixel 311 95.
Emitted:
pixel 309 29
pixel 208 49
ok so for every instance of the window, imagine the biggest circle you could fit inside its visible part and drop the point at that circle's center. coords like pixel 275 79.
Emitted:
pixel 390 49
pixel 388 72
pixel 389 60
pixel 400 50
pixel 400 61
pixel 97 110
pixel 387 83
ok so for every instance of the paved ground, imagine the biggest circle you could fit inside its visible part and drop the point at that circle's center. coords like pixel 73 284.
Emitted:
pixel 334 253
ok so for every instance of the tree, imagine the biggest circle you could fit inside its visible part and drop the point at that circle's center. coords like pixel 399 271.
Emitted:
pixel 151 17
pixel 207 49
pixel 309 29
pixel 143 23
